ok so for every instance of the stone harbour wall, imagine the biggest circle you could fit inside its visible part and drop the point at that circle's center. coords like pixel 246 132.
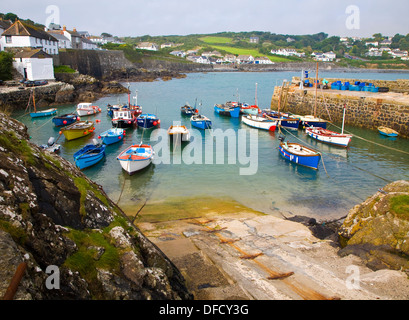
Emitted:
pixel 361 111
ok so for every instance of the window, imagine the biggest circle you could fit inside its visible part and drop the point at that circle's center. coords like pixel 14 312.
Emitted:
pixel 8 39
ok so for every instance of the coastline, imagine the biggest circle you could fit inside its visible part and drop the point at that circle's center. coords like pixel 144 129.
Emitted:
pixel 241 254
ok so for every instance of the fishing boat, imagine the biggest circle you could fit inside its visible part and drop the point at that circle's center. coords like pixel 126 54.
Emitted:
pixel 328 136
pixel 147 120
pixel 385 131
pixel 89 155
pixel 64 120
pixel 112 108
pixel 87 109
pixel 311 121
pixel 78 130
pixel 260 122
pixel 112 135
pixel 51 146
pixel 136 157
pixel 200 121
pixel 187 110
pixel 283 119
pixel 245 108
pixel 229 111
pixel 123 118
pixel 179 133
pixel 42 113
pixel 300 154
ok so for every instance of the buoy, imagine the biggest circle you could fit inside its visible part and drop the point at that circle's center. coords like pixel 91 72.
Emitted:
pixel 85 132
pixel 129 121
pixel 78 118
pixel 99 137
pixel 197 111
pixel 60 133
pixel 158 121
pixel 119 137
pixel 99 109
pixel 65 122
pixel 155 123
pixel 124 132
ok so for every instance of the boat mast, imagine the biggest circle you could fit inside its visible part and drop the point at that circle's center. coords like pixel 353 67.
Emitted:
pixel 343 119
pixel 316 88
pixel 129 97
pixel 34 101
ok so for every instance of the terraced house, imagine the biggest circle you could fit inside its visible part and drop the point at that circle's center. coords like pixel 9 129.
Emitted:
pixel 21 35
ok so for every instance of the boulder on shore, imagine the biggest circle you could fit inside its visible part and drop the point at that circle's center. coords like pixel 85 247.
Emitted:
pixel 378 229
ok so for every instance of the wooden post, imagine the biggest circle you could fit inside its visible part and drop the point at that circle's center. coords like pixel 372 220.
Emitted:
pixel 12 289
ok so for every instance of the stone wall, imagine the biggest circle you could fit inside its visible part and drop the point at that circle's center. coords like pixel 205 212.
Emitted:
pixel 362 111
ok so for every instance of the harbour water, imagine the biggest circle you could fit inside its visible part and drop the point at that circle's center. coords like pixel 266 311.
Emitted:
pixel 345 177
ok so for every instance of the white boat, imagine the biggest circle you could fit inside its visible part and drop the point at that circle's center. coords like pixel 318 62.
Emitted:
pixel 86 109
pixel 329 136
pixel 177 133
pixel 259 122
pixel 311 121
pixel 136 157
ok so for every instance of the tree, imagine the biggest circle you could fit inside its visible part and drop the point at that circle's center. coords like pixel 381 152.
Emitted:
pixel 10 16
pixel 106 35
pixel 6 65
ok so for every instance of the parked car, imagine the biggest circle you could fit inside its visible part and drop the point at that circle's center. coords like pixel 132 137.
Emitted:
pixel 36 83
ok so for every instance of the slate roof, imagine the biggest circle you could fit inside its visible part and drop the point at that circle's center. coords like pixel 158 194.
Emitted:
pixel 34 53
pixel 21 29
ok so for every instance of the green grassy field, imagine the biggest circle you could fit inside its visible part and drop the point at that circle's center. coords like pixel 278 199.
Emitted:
pixel 211 40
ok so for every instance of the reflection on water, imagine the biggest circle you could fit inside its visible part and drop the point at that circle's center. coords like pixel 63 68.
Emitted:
pixel 345 176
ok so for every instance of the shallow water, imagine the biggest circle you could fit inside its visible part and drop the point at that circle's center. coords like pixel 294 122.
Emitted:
pixel 344 178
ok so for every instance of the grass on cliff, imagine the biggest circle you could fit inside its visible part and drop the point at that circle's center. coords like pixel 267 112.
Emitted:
pixel 400 206
pixel 22 148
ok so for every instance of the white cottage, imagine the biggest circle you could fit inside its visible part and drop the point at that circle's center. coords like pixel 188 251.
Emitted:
pixel 20 35
pixel 34 64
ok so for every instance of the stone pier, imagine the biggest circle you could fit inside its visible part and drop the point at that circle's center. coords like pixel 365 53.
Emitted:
pixel 363 109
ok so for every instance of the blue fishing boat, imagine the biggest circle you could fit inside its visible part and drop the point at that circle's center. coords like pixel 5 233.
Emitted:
pixel 43 113
pixel 89 155
pixel 284 120
pixel 147 121
pixel 387 132
pixel 64 120
pixel 200 121
pixel 229 111
pixel 300 154
pixel 112 135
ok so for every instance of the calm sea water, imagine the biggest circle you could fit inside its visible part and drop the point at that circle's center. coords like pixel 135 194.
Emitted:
pixel 344 179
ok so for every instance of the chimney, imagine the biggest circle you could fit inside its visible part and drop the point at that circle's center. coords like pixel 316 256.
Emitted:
pixel 75 30
pixel 64 28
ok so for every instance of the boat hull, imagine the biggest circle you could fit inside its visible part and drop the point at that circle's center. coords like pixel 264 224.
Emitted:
pixel 178 133
pixel 44 113
pixel 330 137
pixel 293 153
pixel 78 130
pixel 112 136
pixel 147 122
pixel 89 156
pixel 201 122
pixel 233 112
pixel 252 111
pixel 136 158
pixel 388 132
pixel 260 123
pixel 64 120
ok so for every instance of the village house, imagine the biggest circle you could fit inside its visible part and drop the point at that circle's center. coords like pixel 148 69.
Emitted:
pixel 98 40
pixel 88 44
pixel 372 43
pixel 229 58
pixel 20 35
pixel 254 39
pixel 74 37
pixel 287 52
pixel 386 42
pixel 63 41
pixel 4 25
pixel 241 59
pixel 33 64
pixel 148 46
pixel 398 53
pixel 262 60
pixel 178 53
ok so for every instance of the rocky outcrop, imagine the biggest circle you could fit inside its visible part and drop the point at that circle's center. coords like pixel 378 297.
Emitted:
pixel 378 229
pixel 51 215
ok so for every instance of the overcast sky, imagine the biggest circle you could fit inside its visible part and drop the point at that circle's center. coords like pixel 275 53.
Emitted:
pixel 182 17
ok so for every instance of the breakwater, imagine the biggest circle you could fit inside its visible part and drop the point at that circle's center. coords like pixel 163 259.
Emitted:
pixel 363 109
